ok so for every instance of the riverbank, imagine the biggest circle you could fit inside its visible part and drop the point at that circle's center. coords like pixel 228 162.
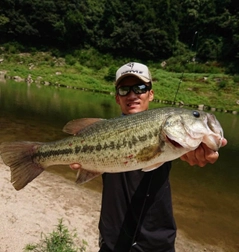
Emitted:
pixel 213 88
pixel 25 214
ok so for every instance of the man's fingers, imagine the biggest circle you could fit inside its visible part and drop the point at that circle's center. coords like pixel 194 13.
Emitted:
pixel 201 156
pixel 224 142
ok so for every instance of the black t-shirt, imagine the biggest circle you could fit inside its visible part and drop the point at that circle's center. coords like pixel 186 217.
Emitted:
pixel 136 213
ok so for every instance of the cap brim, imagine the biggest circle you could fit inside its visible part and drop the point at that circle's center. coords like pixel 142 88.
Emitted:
pixel 144 79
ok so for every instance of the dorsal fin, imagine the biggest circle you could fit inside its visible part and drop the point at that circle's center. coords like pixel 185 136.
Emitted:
pixel 73 127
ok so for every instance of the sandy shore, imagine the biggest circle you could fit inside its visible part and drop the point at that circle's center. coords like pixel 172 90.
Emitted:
pixel 25 214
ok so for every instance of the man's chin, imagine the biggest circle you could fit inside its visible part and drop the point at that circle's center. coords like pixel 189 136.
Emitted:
pixel 134 110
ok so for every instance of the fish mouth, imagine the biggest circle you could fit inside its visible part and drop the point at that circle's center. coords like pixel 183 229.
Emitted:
pixel 174 143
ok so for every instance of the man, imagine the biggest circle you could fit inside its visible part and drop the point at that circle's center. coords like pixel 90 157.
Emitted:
pixel 136 212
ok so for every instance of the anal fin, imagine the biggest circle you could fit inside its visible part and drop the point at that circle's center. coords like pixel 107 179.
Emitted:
pixel 84 176
pixel 152 167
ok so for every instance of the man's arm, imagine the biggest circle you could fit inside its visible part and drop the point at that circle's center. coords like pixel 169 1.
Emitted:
pixel 202 155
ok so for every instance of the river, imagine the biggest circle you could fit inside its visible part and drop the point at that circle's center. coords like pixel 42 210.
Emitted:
pixel 206 200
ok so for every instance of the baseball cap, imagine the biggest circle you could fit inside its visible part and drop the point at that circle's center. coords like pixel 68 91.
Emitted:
pixel 133 69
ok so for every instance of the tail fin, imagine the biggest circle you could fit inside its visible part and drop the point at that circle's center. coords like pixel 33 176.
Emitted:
pixel 19 157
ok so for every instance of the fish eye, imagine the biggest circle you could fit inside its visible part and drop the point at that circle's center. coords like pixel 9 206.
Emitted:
pixel 196 114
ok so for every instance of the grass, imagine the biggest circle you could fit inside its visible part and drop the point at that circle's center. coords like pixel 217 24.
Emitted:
pixel 214 89
pixel 60 240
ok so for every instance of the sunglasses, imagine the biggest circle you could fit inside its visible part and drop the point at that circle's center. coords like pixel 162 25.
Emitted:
pixel 140 88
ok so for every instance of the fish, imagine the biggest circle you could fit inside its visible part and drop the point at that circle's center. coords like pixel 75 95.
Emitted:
pixel 143 140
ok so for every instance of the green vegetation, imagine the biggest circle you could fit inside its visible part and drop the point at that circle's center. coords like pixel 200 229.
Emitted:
pixel 80 44
pixel 211 86
pixel 144 29
pixel 60 240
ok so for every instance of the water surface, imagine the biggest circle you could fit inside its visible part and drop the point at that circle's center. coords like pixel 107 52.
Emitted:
pixel 206 200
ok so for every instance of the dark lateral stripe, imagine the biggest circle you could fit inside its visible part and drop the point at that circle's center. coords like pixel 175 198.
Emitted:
pixel 143 138
pixel 99 147
pixel 77 149
pixel 87 148
pixel 51 153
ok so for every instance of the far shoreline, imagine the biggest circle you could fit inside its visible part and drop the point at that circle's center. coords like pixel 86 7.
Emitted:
pixel 203 107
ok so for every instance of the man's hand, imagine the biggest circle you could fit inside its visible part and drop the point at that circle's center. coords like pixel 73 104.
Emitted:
pixel 202 155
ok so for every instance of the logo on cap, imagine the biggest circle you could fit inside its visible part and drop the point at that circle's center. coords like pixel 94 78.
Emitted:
pixel 131 65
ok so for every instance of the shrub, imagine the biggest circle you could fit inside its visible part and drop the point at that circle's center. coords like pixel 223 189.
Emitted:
pixel 111 74
pixel 222 84
pixel 236 78
pixel 60 240
pixel 70 60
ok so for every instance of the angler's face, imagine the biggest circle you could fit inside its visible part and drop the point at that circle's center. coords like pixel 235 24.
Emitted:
pixel 132 102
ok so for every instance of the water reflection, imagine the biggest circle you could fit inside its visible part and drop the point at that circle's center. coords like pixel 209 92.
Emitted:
pixel 55 103
pixel 206 200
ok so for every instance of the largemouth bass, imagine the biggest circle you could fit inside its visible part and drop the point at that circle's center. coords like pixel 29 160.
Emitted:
pixel 143 140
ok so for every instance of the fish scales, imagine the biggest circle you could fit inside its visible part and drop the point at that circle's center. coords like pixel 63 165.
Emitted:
pixel 143 140
pixel 100 142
